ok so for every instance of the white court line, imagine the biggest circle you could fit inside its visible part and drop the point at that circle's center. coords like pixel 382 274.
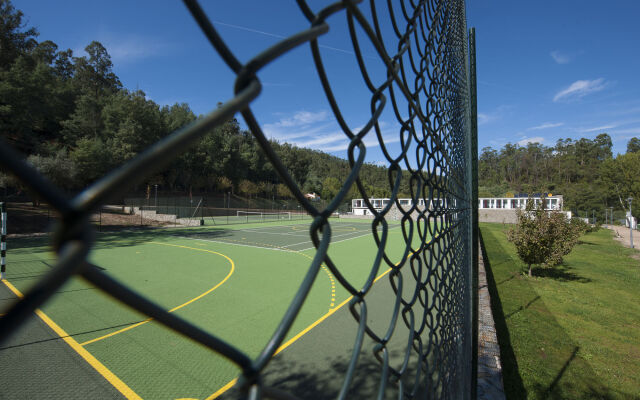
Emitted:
pixel 238 244
pixel 338 241
pixel 268 233
pixel 343 240
pixel 333 236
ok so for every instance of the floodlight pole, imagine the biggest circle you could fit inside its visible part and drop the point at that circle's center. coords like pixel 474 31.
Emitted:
pixel 630 199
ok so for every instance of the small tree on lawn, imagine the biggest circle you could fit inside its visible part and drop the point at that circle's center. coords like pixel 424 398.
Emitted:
pixel 542 237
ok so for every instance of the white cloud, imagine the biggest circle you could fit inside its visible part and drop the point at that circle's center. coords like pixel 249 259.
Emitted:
pixel 300 118
pixel 597 128
pixel 579 89
pixel 483 118
pixel 125 49
pixel 498 113
pixel 561 58
pixel 546 125
pixel 316 130
pixel 526 140
pixel 631 131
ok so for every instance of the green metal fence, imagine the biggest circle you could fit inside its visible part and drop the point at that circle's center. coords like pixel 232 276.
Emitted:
pixel 427 86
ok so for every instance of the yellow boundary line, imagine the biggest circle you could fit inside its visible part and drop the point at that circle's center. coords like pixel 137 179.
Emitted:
pixel 174 308
pixel 82 352
pixel 289 342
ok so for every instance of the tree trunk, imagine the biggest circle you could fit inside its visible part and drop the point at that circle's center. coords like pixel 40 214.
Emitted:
pixel 530 271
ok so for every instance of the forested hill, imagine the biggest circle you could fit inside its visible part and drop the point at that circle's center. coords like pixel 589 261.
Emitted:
pixel 75 121
pixel 583 170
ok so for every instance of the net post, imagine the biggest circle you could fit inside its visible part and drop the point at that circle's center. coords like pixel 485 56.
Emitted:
pixel 3 240
pixel 202 211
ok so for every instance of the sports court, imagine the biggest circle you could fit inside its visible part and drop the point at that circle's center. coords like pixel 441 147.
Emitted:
pixel 234 281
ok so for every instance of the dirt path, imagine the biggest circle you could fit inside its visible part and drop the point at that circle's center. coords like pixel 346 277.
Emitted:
pixel 622 235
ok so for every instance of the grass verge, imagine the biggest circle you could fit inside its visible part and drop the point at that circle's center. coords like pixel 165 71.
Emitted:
pixel 572 331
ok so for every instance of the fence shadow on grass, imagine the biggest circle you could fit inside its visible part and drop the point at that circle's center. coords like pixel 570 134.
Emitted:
pixel 522 308
pixel 513 386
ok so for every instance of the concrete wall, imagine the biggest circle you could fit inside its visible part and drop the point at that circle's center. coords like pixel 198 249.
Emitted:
pixel 503 216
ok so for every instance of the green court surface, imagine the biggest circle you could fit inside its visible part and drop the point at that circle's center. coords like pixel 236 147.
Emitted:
pixel 235 282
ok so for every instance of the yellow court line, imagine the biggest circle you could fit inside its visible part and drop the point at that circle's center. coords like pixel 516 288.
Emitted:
pixel 177 307
pixel 88 357
pixel 289 342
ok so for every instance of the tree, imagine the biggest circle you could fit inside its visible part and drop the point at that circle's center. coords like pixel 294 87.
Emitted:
pixel 330 187
pixel 283 191
pixel 95 83
pixel 14 38
pixel 633 146
pixel 131 123
pixel 620 177
pixel 58 168
pixel 542 237
pixel 92 160
pixel 247 187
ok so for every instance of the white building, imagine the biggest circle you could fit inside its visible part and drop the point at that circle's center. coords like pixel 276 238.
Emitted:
pixel 359 207
pixel 551 202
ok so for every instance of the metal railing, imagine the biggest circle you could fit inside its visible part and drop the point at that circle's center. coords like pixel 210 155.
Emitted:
pixel 427 81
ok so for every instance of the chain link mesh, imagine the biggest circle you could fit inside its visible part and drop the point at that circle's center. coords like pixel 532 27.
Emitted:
pixel 426 72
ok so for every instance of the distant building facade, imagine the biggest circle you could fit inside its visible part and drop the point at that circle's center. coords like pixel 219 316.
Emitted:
pixel 490 209
pixel 359 207
pixel 550 202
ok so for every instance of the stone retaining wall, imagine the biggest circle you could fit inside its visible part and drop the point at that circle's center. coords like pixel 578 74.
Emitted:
pixel 501 216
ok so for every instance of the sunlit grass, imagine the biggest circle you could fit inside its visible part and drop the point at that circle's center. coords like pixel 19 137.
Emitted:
pixel 572 331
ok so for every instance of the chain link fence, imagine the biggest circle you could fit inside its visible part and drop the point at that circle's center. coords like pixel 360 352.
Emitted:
pixel 427 87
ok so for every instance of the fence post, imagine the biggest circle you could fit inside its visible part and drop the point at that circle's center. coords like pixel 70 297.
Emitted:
pixel 474 208
pixel 3 240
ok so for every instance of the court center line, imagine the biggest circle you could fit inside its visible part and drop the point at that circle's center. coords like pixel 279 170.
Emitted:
pixel 174 308
pixel 82 352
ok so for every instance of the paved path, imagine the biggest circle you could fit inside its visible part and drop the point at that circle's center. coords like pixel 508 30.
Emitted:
pixel 622 235
pixel 490 385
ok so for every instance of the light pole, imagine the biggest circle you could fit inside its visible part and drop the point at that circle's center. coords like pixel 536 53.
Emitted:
pixel 156 197
pixel 630 199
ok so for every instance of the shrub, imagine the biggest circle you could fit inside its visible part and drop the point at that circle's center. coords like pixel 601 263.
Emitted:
pixel 543 237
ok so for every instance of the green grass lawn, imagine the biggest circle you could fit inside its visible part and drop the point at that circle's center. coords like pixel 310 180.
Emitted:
pixel 572 331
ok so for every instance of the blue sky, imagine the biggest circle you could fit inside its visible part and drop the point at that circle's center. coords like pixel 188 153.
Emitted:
pixel 546 69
